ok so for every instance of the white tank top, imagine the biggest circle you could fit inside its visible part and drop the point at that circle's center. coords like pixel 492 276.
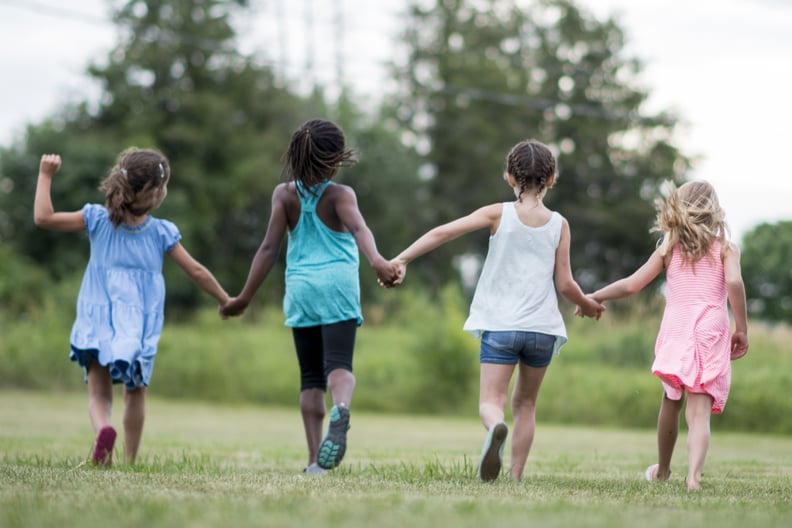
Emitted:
pixel 516 289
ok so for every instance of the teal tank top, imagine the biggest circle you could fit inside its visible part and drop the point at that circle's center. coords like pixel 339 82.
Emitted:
pixel 322 269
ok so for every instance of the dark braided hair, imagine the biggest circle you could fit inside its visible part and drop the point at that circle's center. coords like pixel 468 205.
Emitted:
pixel 532 165
pixel 316 152
pixel 135 183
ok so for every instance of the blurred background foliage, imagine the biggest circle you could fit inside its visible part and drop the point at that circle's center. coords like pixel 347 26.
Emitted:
pixel 478 77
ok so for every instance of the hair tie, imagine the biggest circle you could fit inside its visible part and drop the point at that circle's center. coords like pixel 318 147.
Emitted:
pixel 162 171
pixel 124 173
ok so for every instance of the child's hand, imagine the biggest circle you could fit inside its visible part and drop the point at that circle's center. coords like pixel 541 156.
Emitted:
pixel 49 165
pixel 401 266
pixel 739 345
pixel 591 308
pixel 233 307
pixel 387 273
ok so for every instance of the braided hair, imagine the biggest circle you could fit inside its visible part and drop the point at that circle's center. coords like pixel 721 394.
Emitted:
pixel 692 217
pixel 316 152
pixel 135 183
pixel 532 165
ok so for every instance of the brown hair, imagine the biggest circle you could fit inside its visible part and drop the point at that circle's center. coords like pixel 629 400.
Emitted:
pixel 532 165
pixel 692 217
pixel 316 152
pixel 135 183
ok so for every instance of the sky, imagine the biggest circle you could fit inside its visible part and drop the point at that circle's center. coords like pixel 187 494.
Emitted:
pixel 723 66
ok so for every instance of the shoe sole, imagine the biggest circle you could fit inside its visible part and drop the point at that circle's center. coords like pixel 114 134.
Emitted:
pixel 333 447
pixel 103 448
pixel 490 465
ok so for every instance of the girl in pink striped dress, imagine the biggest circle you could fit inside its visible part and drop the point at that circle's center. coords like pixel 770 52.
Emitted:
pixel 694 345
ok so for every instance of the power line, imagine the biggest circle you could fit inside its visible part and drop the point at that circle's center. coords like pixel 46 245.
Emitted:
pixel 40 8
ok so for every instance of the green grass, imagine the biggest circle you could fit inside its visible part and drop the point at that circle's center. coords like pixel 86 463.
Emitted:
pixel 231 466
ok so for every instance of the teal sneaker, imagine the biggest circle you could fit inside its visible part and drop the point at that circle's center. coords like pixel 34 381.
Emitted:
pixel 333 447
pixel 492 453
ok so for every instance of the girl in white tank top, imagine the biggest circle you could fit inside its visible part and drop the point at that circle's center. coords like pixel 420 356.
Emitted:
pixel 515 299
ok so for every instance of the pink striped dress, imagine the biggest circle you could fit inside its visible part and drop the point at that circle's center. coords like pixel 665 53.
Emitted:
pixel 693 348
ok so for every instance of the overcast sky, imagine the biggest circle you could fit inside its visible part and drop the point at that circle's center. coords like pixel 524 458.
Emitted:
pixel 724 66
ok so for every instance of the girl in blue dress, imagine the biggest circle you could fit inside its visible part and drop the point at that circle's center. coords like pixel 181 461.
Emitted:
pixel 120 307
pixel 322 300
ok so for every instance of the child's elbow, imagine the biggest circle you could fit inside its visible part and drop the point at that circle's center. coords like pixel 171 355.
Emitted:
pixel 735 283
pixel 40 219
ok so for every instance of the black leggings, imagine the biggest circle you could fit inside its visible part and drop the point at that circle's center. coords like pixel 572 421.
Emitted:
pixel 322 349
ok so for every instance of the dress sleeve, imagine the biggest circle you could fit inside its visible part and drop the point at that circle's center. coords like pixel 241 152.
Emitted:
pixel 169 235
pixel 93 215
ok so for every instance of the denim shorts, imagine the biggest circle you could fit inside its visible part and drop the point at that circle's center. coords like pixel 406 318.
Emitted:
pixel 507 348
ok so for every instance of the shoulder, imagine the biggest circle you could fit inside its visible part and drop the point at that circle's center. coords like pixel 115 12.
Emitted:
pixel 92 210
pixel 168 232
pixel 340 192
pixel 94 215
pixel 283 190
pixel 730 249
pixel 558 219
pixel 494 209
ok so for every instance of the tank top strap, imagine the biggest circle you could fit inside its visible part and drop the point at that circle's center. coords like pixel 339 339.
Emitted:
pixel 309 197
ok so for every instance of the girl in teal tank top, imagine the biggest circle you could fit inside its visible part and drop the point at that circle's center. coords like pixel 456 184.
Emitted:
pixel 326 232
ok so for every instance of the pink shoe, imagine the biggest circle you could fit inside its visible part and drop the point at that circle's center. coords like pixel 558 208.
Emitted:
pixel 103 448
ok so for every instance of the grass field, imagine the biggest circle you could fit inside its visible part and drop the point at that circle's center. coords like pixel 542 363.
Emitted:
pixel 205 465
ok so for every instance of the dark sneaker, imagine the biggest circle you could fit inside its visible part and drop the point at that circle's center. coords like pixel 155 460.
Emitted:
pixel 333 447
pixel 492 453
pixel 103 448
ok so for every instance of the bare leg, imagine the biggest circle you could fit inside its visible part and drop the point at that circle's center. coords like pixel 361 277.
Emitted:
pixel 312 408
pixel 697 414
pixel 494 386
pixel 341 384
pixel 667 432
pixel 134 416
pixel 100 396
pixel 526 391
pixel 493 390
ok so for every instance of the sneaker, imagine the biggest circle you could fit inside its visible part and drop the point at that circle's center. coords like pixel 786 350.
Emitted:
pixel 492 453
pixel 314 469
pixel 103 448
pixel 333 447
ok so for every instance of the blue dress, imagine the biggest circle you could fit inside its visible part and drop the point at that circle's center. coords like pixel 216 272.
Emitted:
pixel 121 305
pixel 322 269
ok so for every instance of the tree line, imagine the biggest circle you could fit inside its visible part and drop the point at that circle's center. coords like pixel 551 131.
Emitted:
pixel 477 78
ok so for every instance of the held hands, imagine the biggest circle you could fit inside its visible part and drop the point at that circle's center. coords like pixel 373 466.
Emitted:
pixel 389 274
pixel 233 307
pixel 592 308
pixel 739 345
pixel 49 165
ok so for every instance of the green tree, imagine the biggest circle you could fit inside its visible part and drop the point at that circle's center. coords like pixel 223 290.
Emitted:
pixel 480 76
pixel 767 272
pixel 175 81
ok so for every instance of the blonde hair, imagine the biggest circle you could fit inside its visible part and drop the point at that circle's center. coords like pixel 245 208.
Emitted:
pixel 691 217
pixel 135 183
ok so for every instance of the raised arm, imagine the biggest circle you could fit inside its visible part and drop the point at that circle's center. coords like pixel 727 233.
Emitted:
pixel 44 214
pixel 635 282
pixel 266 255
pixel 565 282
pixel 349 214
pixel 735 289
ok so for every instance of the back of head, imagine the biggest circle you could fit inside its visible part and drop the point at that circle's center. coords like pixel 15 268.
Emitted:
pixel 692 217
pixel 136 183
pixel 532 165
pixel 316 152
